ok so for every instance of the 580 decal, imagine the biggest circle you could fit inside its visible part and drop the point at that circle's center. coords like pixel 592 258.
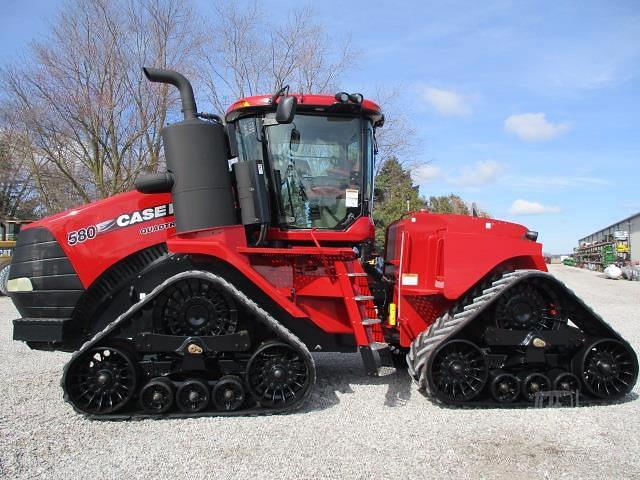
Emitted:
pixel 82 235
pixel 122 221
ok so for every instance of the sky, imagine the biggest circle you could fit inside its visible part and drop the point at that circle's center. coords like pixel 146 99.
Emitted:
pixel 531 110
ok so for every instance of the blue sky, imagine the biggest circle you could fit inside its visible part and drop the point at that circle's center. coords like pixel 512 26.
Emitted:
pixel 531 110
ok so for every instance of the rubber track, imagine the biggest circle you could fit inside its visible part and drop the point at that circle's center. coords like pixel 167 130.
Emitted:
pixel 259 314
pixel 469 308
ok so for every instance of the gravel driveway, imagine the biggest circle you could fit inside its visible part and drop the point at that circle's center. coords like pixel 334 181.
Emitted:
pixel 353 427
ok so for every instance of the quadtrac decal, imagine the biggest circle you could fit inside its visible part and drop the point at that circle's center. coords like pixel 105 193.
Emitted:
pixel 123 221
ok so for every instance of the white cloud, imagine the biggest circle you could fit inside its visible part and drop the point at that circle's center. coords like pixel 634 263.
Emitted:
pixel 534 127
pixel 480 173
pixel 525 207
pixel 446 102
pixel 425 173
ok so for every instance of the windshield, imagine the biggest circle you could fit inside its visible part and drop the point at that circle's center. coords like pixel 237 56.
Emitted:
pixel 317 170
pixel 317 165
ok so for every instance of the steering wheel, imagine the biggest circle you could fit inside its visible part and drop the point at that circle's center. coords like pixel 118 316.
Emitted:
pixel 324 186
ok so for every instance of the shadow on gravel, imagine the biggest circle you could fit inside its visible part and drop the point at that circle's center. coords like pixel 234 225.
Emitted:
pixel 337 373
pixel 631 397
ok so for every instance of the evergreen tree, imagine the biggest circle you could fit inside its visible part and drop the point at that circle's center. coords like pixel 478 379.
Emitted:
pixel 396 196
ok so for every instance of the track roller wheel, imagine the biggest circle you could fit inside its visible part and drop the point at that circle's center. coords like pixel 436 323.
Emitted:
pixel 567 382
pixel 278 375
pixel 607 368
pixel 457 372
pixel 192 396
pixel 534 383
pixel 195 307
pixel 505 388
pixel 228 394
pixel 523 307
pixel 157 395
pixel 101 381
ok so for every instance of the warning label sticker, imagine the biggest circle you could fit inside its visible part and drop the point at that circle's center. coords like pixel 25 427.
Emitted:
pixel 352 197
pixel 410 279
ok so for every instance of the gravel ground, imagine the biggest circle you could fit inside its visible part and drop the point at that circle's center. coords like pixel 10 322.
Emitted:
pixel 353 427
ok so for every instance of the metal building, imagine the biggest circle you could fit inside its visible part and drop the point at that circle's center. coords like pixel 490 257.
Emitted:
pixel 630 224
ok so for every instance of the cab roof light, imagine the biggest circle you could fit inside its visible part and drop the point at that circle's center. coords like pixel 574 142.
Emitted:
pixel 342 97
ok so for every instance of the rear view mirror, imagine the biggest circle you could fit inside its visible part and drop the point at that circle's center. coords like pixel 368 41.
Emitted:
pixel 286 109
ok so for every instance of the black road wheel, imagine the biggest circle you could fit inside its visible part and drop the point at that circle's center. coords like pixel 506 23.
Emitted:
pixel 102 380
pixel 278 375
pixel 566 382
pixel 607 368
pixel 534 383
pixel 523 307
pixel 195 307
pixel 457 371
pixel 192 396
pixel 228 393
pixel 157 395
pixel 505 388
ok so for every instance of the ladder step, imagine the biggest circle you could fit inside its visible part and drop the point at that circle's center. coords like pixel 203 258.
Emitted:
pixel 356 274
pixel 376 358
pixel 370 321
pixel 378 345
pixel 363 298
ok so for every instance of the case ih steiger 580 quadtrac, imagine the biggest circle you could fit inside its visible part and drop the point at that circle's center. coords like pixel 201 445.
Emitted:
pixel 205 291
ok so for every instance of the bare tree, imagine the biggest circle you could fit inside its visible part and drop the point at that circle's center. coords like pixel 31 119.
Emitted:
pixel 89 124
pixel 16 182
pixel 91 120
pixel 252 54
pixel 397 139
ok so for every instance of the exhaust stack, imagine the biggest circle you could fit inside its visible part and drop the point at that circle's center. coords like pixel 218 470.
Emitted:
pixel 198 171
pixel 179 81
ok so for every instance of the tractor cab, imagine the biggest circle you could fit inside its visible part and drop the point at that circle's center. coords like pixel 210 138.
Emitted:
pixel 318 157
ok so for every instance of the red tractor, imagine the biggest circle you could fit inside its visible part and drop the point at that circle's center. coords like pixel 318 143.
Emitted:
pixel 205 291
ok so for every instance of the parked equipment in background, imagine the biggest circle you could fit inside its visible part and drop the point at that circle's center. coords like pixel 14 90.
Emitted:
pixel 617 244
pixel 598 256
pixel 9 229
pixel 206 291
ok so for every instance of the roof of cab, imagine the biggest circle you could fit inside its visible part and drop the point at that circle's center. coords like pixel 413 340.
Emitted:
pixel 369 107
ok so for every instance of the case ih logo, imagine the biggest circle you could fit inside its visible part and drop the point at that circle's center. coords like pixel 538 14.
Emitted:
pixel 123 221
pixel 147 214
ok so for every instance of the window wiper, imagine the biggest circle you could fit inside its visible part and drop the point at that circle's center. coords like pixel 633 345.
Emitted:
pixel 347 221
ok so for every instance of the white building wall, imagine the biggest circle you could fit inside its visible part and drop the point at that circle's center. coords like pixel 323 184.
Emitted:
pixel 634 237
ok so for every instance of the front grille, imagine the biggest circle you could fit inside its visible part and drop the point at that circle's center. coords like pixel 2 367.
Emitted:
pixel 56 286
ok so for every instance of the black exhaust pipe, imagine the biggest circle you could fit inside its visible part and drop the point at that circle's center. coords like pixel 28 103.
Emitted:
pixel 197 168
pixel 178 80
